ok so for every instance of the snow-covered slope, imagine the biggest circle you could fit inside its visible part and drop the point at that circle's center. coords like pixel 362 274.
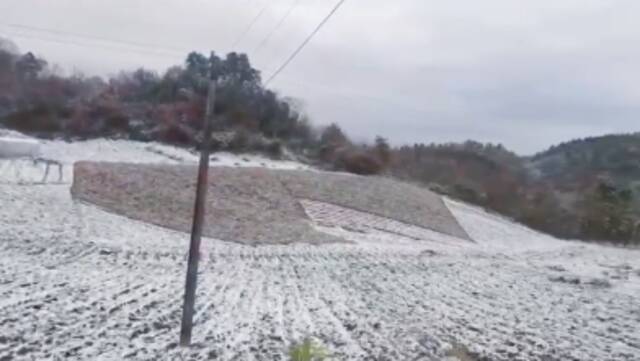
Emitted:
pixel 495 232
pixel 137 152
pixel 77 283
pixel 25 171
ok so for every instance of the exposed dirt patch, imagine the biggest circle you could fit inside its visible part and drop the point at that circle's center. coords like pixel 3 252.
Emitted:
pixel 253 205
pixel 249 206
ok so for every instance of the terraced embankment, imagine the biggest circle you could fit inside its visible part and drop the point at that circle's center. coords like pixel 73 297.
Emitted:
pixel 253 205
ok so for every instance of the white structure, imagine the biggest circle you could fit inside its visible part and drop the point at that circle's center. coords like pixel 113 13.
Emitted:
pixel 19 148
pixel 15 149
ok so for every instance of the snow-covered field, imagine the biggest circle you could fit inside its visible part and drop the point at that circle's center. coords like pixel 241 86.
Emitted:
pixel 78 283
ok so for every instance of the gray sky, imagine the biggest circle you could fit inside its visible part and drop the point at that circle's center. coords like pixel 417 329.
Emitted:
pixel 524 73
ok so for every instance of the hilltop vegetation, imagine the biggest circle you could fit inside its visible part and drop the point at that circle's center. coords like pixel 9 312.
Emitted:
pixel 594 199
pixel 617 156
pixel 585 189
pixel 142 104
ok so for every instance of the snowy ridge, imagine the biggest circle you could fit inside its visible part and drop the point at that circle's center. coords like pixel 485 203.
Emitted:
pixel 137 152
pixel 497 232
pixel 26 172
pixel 78 283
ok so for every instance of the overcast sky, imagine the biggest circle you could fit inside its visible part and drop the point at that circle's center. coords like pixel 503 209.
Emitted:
pixel 524 73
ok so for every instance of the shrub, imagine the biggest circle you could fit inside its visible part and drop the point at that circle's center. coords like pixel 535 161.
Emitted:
pixel 245 141
pixel 307 351
pixel 468 193
pixel 274 149
pixel 239 142
pixel 39 119
pixel 460 352
pixel 358 163
pixel 117 122
pixel 175 133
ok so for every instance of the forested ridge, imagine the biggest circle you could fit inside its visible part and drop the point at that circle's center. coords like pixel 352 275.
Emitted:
pixel 587 188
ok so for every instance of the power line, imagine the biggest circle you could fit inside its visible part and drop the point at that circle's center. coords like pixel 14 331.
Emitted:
pixel 352 95
pixel 317 86
pixel 85 45
pixel 250 25
pixel 277 27
pixel 153 47
pixel 306 41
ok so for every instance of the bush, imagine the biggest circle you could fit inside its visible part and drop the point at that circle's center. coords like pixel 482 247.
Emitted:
pixel 274 149
pixel 307 351
pixel 359 163
pixel 468 194
pixel 40 119
pixel 175 133
pixel 244 141
pixel 117 122
pixel 271 148
pixel 460 352
pixel 239 142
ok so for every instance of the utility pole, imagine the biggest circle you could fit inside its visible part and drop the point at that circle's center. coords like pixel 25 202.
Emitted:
pixel 198 221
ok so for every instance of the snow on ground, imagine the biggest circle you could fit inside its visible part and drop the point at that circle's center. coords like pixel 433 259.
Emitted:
pixel 25 171
pixel 137 152
pixel 77 283
pixel 577 261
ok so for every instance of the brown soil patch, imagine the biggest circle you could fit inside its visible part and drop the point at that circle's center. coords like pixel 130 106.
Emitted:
pixel 252 205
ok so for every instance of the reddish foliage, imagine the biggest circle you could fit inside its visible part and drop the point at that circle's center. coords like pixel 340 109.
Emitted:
pixel 359 162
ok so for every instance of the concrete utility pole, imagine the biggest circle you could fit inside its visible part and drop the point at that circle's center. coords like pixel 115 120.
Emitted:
pixel 198 220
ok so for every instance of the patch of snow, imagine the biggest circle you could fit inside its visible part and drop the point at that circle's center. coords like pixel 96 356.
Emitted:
pixel 26 172
pixel 137 152
pixel 13 134
pixel 78 283
pixel 499 233
pixel 372 229
pixel 225 159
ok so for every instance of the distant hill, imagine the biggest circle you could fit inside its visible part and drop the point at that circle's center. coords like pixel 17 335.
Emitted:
pixel 568 165
pixel 568 190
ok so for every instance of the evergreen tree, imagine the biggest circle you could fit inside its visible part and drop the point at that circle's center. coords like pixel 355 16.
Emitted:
pixel 607 214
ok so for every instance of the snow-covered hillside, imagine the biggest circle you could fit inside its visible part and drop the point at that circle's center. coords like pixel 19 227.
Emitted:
pixel 78 283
